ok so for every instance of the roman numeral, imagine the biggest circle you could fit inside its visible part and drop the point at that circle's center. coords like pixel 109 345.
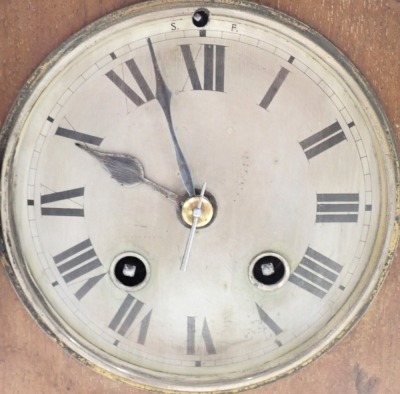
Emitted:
pixel 273 89
pixel 323 140
pixel 77 136
pixel 87 286
pixel 144 328
pixel 337 208
pixel 127 90
pixel 266 319
pixel 316 273
pixel 62 196
pixel 205 334
pixel 214 67
pixel 126 315
pixel 75 262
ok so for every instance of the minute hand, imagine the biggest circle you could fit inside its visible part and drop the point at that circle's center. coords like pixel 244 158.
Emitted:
pixel 163 96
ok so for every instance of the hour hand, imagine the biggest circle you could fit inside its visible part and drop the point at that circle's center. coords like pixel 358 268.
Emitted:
pixel 126 170
pixel 163 96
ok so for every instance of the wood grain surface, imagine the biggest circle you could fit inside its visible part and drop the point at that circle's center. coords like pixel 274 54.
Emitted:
pixel 366 361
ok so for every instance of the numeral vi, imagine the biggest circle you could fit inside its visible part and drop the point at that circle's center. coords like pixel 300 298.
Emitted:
pixel 205 334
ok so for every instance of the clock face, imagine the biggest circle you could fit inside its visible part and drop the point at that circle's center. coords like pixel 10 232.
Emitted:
pixel 198 198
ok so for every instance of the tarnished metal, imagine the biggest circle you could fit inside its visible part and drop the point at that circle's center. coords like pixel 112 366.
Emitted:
pixel 207 211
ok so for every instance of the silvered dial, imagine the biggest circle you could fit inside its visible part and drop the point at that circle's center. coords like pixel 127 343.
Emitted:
pixel 101 192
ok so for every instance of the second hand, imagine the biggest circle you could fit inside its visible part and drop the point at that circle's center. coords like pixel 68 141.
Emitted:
pixel 196 216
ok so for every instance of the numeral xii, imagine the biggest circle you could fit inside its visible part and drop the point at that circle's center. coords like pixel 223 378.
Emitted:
pixel 213 69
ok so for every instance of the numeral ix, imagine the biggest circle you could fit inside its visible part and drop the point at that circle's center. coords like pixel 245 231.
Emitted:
pixel 77 136
pixel 65 195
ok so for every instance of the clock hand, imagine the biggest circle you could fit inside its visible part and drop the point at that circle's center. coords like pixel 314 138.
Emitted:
pixel 126 170
pixel 196 215
pixel 163 96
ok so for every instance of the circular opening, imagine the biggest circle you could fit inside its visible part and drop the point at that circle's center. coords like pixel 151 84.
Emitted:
pixel 269 271
pixel 200 17
pixel 130 270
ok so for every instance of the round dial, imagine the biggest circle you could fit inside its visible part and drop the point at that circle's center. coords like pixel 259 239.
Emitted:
pixel 198 197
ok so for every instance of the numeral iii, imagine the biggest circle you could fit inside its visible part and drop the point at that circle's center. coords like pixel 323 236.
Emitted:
pixel 337 208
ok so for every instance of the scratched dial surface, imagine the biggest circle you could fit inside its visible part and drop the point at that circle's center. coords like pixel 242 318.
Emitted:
pixel 296 164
